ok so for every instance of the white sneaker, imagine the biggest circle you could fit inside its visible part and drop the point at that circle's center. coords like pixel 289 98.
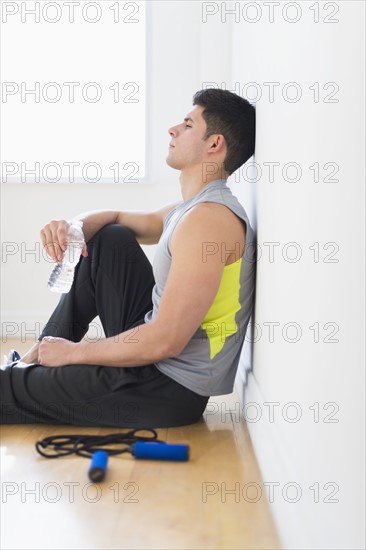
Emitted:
pixel 11 357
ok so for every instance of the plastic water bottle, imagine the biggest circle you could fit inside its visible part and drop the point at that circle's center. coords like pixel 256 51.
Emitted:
pixel 62 275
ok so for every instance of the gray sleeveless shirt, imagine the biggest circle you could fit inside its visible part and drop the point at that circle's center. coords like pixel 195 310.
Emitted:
pixel 208 363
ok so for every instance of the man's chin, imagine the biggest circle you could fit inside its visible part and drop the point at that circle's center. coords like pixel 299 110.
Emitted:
pixel 171 163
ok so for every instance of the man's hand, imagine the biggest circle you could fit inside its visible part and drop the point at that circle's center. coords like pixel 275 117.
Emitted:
pixel 54 239
pixel 56 352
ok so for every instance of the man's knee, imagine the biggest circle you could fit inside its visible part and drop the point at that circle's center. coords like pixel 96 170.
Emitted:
pixel 118 240
pixel 114 233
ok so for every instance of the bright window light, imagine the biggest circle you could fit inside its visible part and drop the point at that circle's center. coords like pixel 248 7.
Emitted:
pixel 73 102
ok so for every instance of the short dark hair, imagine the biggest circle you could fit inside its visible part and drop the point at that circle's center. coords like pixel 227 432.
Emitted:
pixel 232 116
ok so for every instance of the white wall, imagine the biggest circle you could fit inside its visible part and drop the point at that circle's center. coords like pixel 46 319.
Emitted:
pixel 306 292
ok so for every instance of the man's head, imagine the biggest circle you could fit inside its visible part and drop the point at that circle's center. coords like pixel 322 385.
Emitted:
pixel 232 116
pixel 221 130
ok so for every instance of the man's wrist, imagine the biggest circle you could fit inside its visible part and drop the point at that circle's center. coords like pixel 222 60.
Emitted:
pixel 79 352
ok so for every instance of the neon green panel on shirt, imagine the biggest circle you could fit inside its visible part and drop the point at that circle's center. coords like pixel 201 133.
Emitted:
pixel 219 321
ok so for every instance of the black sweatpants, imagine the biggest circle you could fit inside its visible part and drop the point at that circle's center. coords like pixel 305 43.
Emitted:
pixel 115 282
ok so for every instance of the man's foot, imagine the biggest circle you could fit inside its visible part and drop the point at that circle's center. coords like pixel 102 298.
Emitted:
pixel 11 357
pixel 13 360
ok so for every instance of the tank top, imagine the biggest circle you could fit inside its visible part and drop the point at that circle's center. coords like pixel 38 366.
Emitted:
pixel 208 363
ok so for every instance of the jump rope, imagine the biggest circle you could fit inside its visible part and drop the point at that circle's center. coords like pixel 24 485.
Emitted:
pixel 96 448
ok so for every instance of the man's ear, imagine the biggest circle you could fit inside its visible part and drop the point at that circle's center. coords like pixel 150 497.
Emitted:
pixel 218 143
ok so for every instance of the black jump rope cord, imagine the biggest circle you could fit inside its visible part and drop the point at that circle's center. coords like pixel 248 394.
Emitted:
pixel 95 446
pixel 87 445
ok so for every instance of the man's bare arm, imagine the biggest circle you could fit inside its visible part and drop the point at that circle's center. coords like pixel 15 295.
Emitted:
pixel 146 226
pixel 189 292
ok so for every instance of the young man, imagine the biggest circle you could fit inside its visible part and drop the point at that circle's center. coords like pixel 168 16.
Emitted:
pixel 174 332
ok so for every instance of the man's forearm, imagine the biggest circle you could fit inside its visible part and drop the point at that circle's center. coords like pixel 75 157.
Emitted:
pixel 142 345
pixel 94 220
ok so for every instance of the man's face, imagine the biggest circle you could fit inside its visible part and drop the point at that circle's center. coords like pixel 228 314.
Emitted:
pixel 187 148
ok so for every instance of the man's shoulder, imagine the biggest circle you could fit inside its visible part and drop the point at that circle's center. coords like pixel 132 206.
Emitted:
pixel 210 222
pixel 212 214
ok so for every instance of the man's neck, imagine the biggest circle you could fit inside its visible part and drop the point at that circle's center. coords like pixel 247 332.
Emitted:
pixel 191 184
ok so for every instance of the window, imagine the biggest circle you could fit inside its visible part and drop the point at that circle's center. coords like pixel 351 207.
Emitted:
pixel 73 92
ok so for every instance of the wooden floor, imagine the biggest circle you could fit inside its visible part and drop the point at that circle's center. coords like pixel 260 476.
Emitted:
pixel 211 502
